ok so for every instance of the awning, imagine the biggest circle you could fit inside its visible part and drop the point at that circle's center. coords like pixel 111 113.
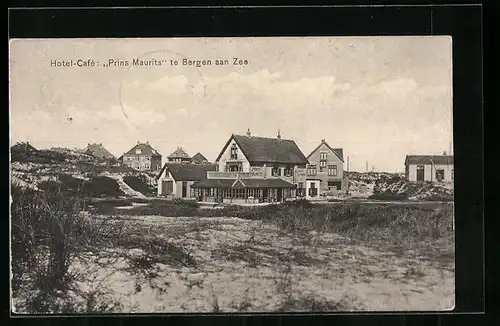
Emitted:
pixel 243 183
pixel 214 183
pixel 267 183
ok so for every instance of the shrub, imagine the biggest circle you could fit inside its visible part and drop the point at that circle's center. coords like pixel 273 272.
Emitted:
pixel 99 186
pixel 141 184
pixel 48 233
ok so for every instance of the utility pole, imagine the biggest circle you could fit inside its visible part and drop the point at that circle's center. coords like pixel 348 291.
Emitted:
pixel 347 188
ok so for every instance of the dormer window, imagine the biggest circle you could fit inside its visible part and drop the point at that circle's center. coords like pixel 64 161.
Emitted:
pixel 276 171
pixel 234 152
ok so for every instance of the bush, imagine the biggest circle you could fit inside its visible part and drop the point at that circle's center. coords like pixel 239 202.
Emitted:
pixel 48 233
pixel 20 154
pixel 99 186
pixel 141 184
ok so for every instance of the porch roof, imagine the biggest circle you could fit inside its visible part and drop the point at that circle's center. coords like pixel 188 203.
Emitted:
pixel 243 183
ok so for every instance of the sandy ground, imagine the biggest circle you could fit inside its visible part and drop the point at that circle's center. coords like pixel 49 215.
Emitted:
pixel 240 265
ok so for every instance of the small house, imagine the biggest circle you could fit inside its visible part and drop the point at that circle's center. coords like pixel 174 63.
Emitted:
pixel 433 168
pixel 97 150
pixel 179 156
pixel 175 179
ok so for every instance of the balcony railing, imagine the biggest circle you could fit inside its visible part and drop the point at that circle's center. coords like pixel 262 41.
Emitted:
pixel 235 175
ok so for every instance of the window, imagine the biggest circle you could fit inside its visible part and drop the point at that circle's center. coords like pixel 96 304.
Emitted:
pixel 452 174
pixel 332 170
pixel 439 175
pixel 311 170
pixel 322 161
pixel 234 167
pixel 138 151
pixel 334 185
pixel 288 171
pixel 234 152
pixel 276 171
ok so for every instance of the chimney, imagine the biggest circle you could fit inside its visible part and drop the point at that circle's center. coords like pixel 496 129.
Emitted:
pixel 137 142
pixel 323 141
pixel 248 133
pixel 444 153
pixel 147 142
pixel 279 135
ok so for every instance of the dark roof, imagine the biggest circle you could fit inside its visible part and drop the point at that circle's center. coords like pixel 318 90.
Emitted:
pixel 338 151
pixel 268 150
pixel 429 159
pixel 243 183
pixel 179 153
pixel 98 150
pixel 146 149
pixel 188 171
pixel 214 183
pixel 267 183
pixel 199 158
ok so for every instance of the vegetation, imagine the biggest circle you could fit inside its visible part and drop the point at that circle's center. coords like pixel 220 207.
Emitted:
pixel 403 225
pixel 97 186
pixel 141 184
pixel 48 234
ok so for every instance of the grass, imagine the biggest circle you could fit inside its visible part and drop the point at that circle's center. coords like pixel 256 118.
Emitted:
pixel 403 227
pixel 48 234
pixel 388 196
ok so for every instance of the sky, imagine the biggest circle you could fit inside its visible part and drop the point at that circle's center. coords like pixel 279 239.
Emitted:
pixel 378 98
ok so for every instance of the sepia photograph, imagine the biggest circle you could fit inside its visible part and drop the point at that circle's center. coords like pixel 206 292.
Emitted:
pixel 231 175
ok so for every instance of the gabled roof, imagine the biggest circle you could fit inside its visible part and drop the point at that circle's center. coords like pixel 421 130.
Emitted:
pixel 179 153
pixel 337 151
pixel 267 150
pixel 199 158
pixel 145 148
pixel 429 159
pixel 98 150
pixel 187 171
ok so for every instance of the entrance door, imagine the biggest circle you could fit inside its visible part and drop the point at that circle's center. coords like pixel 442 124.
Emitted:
pixel 440 175
pixel 265 194
pixel 184 189
pixel 279 195
pixel 420 173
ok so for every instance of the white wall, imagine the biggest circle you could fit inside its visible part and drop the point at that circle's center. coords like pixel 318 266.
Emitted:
pixel 227 155
pixel 430 172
